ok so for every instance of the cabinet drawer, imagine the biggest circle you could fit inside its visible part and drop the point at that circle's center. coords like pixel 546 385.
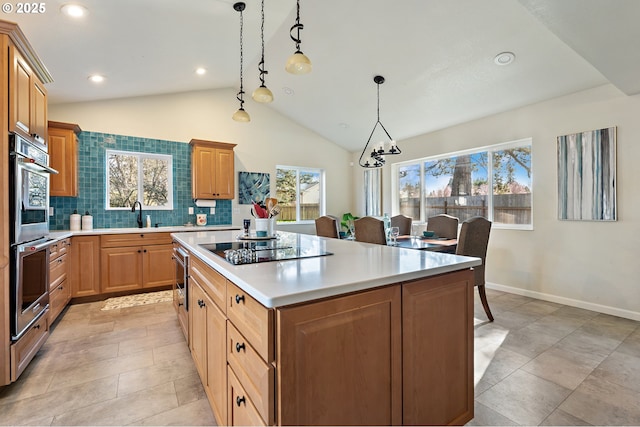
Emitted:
pixel 241 411
pixel 213 283
pixel 59 248
pixel 134 239
pixel 58 299
pixel 57 271
pixel 255 376
pixel 252 319
pixel 26 348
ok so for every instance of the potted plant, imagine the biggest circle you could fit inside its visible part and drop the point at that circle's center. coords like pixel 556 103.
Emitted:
pixel 347 225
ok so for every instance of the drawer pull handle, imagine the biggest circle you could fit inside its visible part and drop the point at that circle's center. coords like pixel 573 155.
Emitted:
pixel 38 327
pixel 239 347
pixel 201 303
pixel 240 400
pixel 139 251
pixel 239 298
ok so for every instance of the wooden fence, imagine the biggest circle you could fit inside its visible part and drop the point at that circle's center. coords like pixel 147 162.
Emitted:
pixel 307 212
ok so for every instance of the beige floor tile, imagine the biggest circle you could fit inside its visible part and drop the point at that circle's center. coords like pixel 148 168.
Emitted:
pixel 100 369
pixel 28 386
pixel 133 346
pixel 558 326
pixel 575 313
pixel 581 341
pixel 622 369
pixel 166 371
pixel 563 367
pixel 524 398
pixel 561 418
pixel 196 413
pixel 493 366
pixel 513 320
pixel 189 388
pixel 538 307
pixel 112 337
pixel 63 361
pixel 529 343
pixel 631 345
pixel 600 402
pixel 128 409
pixel 171 351
pixel 610 326
pixel 489 334
pixel 485 416
pixel 73 332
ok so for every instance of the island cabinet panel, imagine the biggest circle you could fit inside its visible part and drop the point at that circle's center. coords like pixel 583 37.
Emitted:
pixel 339 360
pixel 240 408
pixel 437 350
pixel 208 346
pixel 216 284
pixel 84 266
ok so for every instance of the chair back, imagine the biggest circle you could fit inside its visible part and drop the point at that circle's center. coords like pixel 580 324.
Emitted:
pixel 443 225
pixel 403 223
pixel 327 226
pixel 473 241
pixel 370 230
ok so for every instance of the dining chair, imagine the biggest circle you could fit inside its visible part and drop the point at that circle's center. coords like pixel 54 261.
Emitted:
pixel 370 230
pixel 473 241
pixel 403 223
pixel 443 225
pixel 327 226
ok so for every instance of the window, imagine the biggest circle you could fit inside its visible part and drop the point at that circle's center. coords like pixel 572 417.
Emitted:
pixel 300 193
pixel 140 177
pixel 493 182
pixel 372 200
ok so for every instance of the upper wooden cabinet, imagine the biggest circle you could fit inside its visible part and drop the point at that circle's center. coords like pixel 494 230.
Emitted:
pixel 27 99
pixel 63 157
pixel 212 169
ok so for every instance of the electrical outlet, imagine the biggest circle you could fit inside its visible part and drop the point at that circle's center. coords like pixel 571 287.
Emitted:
pixel 190 210
pixel 51 211
pixel 212 211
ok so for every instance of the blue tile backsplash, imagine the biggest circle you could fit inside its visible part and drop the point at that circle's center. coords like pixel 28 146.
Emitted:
pixel 92 185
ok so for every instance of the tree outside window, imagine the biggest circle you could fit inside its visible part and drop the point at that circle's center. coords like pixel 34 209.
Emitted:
pixel 131 175
pixel 300 193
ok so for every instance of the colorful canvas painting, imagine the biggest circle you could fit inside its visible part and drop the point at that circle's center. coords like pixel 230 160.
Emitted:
pixel 253 187
pixel 587 176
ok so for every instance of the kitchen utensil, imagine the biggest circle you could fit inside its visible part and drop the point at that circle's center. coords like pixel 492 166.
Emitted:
pixel 275 211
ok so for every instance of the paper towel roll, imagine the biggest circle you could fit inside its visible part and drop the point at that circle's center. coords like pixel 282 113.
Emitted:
pixel 206 203
pixel 74 222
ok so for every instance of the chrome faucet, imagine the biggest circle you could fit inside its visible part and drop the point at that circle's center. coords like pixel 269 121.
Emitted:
pixel 133 209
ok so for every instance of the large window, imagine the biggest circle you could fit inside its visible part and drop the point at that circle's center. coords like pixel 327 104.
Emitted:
pixel 300 193
pixel 142 177
pixel 493 182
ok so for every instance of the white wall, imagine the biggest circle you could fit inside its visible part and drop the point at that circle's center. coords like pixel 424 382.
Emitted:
pixel 592 265
pixel 269 139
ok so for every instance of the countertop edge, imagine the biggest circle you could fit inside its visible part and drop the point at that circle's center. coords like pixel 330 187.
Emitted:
pixel 62 234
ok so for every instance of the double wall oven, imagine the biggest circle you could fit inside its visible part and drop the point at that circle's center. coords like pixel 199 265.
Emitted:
pixel 29 178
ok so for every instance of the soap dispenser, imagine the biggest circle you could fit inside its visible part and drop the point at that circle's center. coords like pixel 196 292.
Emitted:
pixel 148 221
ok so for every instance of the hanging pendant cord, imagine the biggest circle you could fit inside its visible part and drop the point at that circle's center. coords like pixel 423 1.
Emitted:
pixel 261 64
pixel 239 96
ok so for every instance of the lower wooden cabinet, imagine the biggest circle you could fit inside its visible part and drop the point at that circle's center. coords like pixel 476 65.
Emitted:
pixel 28 345
pixel 240 408
pixel 84 266
pixel 59 289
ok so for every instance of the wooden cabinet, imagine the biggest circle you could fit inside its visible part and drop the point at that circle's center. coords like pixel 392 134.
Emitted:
pixel 24 350
pixel 208 345
pixel 59 289
pixel 126 265
pixel 84 266
pixel 27 99
pixel 212 169
pixel 63 157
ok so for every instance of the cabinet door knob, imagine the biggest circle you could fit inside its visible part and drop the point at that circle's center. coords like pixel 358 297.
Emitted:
pixel 239 298
pixel 145 251
pixel 239 347
pixel 240 400
pixel 139 251
pixel 201 303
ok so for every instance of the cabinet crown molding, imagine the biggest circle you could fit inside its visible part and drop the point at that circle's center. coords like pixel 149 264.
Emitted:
pixel 18 38
pixel 214 144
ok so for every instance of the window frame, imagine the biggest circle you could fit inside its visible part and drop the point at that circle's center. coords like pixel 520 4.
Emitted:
pixel 140 157
pixel 322 192
pixel 489 149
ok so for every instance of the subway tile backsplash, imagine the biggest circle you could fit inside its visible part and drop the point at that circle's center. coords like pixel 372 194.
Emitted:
pixel 92 185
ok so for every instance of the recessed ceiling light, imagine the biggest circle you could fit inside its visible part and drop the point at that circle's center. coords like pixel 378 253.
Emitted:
pixel 201 71
pixel 287 90
pixel 504 58
pixel 96 78
pixel 343 125
pixel 73 10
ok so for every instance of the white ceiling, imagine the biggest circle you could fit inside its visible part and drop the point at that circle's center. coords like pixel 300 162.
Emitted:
pixel 436 55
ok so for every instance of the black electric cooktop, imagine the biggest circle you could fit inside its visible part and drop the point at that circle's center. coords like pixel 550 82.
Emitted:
pixel 249 252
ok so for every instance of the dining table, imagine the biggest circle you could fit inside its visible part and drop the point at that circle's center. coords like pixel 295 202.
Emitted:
pixel 435 244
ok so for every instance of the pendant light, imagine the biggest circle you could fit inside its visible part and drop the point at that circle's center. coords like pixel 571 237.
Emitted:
pixel 240 115
pixel 262 94
pixel 375 159
pixel 298 63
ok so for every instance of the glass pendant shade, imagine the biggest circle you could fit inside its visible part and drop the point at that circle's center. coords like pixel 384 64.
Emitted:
pixel 241 116
pixel 298 63
pixel 262 94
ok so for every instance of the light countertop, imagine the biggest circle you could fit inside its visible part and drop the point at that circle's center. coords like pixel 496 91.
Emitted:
pixel 354 266
pixel 61 234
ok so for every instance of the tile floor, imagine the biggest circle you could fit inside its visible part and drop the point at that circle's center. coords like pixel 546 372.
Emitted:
pixel 539 363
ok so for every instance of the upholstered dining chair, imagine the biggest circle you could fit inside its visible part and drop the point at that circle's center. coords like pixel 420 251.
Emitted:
pixel 473 241
pixel 327 226
pixel 443 225
pixel 370 230
pixel 403 223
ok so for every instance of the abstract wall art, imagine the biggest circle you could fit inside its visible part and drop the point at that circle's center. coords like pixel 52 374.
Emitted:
pixel 253 187
pixel 587 176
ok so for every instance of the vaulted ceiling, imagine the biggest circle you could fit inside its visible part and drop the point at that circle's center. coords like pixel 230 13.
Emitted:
pixel 437 55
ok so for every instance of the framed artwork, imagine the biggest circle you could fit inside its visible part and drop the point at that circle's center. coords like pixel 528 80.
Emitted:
pixel 253 187
pixel 587 176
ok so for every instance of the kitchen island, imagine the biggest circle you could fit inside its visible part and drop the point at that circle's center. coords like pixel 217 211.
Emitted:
pixel 362 334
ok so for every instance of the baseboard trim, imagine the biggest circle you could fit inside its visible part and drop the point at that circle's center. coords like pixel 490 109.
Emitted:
pixel 627 314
